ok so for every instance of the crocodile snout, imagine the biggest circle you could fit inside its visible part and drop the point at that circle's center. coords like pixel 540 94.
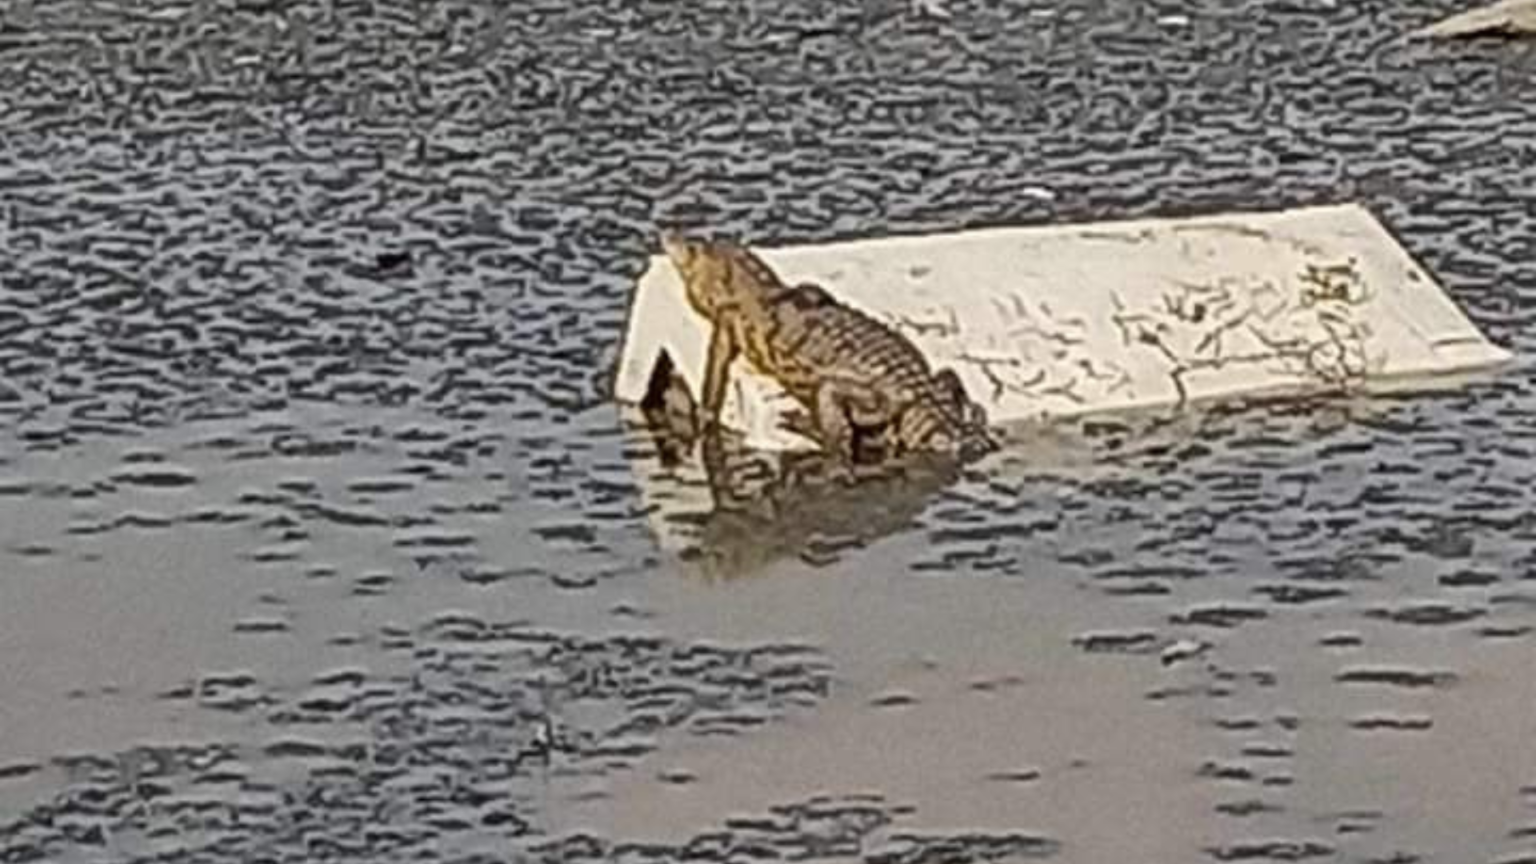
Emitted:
pixel 676 246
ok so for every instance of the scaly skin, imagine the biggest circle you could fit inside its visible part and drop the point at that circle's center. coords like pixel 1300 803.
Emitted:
pixel 859 380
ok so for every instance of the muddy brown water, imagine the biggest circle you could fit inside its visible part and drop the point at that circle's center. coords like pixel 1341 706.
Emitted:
pixel 320 540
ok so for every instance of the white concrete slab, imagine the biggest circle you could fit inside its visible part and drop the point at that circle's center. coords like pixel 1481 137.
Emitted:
pixel 1054 321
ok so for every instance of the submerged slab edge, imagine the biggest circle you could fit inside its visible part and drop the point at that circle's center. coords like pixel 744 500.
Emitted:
pixel 1051 321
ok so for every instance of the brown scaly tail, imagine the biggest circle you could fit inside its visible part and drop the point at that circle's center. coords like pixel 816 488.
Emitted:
pixel 976 444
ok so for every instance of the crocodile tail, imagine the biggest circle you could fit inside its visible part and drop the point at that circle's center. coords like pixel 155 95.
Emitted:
pixel 976 443
pixel 933 426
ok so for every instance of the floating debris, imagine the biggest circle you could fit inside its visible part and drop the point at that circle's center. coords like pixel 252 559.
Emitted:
pixel 1507 18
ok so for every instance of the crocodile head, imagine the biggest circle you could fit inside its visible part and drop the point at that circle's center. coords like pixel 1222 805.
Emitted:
pixel 716 275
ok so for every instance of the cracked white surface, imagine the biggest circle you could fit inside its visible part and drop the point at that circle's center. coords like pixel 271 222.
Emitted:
pixel 1063 320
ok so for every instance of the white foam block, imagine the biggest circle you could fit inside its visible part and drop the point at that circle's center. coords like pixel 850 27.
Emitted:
pixel 1053 321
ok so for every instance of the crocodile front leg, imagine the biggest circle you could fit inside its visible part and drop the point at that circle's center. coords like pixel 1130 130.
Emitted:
pixel 718 474
pixel 723 349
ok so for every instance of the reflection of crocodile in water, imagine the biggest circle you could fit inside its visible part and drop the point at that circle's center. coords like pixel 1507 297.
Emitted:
pixel 768 506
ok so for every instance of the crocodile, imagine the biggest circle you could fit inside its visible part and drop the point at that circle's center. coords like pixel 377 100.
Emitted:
pixel 861 384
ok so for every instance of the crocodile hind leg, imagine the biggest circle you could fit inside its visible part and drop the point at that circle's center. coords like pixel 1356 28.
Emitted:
pixel 845 411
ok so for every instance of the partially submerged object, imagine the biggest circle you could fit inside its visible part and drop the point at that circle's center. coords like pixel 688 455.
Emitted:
pixel 1504 18
pixel 857 380
pixel 1055 321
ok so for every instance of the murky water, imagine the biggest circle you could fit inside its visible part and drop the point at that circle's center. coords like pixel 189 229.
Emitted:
pixel 319 539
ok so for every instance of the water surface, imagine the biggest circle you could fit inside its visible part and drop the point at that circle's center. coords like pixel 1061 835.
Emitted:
pixel 321 538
